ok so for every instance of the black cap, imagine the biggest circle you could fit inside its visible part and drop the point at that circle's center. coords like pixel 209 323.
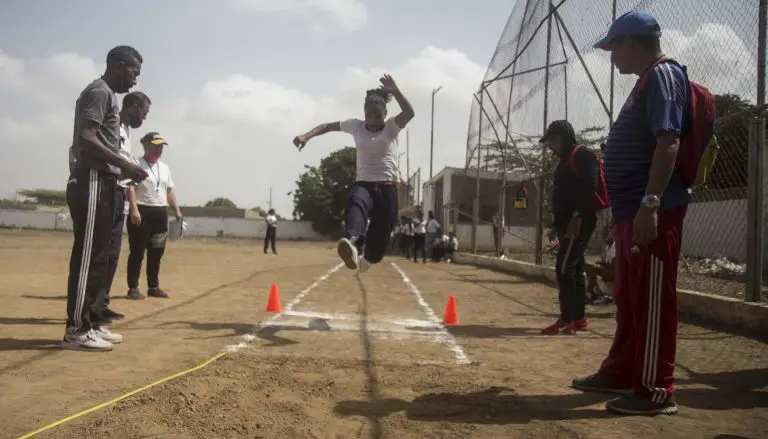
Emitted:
pixel 561 128
pixel 153 138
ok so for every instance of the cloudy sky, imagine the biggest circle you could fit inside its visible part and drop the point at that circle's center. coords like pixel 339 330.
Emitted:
pixel 233 81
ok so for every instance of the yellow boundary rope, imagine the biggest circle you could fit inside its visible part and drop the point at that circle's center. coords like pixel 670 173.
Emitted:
pixel 120 398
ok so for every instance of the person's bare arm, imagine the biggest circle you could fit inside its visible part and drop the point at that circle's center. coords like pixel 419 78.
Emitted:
pixel 173 203
pixel 91 144
pixel 406 109
pixel 131 194
pixel 301 140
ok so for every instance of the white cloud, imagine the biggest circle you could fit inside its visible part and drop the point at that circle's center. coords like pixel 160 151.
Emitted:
pixel 350 15
pixel 232 137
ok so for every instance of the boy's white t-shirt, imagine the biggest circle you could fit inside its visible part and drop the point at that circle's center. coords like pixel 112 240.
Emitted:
pixel 610 252
pixel 433 226
pixel 408 229
pixel 419 226
pixel 376 152
pixel 272 220
pixel 153 191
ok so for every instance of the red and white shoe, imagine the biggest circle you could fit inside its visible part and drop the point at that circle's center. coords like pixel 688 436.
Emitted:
pixel 581 325
pixel 559 327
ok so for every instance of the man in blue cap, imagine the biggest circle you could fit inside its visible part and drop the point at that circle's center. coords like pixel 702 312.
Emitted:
pixel 648 201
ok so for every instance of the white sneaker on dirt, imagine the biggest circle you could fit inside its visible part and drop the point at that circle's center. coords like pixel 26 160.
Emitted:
pixel 348 253
pixel 108 336
pixel 364 265
pixel 85 341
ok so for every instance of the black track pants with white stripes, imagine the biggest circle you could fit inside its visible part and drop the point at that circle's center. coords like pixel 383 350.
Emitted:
pixel 570 272
pixel 91 198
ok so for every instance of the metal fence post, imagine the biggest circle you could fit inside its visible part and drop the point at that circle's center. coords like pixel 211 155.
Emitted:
pixel 755 212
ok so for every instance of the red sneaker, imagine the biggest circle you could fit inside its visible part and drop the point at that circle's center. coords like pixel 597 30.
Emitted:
pixel 581 325
pixel 559 327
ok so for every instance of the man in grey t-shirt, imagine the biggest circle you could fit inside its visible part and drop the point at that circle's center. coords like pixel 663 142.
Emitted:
pixel 95 169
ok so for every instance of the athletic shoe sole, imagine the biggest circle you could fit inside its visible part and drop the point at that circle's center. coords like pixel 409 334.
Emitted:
pixel 75 346
pixel 606 390
pixel 347 253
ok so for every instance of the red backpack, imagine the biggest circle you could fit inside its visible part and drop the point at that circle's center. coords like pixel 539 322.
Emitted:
pixel 700 129
pixel 601 192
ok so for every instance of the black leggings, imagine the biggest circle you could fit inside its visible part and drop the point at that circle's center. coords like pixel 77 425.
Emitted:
pixel 419 244
pixel 376 202
pixel 270 238
pixel 151 236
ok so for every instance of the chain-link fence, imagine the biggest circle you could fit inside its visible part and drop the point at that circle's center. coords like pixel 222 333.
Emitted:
pixel 545 68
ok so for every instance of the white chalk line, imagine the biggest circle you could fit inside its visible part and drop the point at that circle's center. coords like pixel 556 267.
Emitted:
pixel 392 329
pixel 299 297
pixel 444 336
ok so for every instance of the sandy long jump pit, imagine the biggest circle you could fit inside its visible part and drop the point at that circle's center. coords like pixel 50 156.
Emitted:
pixel 348 357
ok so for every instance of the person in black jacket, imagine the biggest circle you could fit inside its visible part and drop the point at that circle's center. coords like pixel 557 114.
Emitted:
pixel 575 218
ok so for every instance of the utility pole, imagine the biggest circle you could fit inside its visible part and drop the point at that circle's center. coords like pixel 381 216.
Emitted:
pixel 408 165
pixel 270 197
pixel 432 132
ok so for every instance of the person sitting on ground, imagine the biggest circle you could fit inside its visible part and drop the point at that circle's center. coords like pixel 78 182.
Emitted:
pixel 452 247
pixel 438 246
pixel 605 271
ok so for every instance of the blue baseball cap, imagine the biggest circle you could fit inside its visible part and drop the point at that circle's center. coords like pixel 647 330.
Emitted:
pixel 631 24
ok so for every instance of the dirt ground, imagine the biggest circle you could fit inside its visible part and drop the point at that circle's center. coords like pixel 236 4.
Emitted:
pixel 348 358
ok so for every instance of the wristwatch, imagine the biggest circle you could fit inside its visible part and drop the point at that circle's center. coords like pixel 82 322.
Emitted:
pixel 651 201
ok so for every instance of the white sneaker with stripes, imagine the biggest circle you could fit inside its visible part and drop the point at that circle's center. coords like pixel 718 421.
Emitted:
pixel 85 341
pixel 108 336
pixel 348 253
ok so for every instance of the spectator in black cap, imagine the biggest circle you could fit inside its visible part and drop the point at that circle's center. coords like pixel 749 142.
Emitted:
pixel 148 222
pixel 575 218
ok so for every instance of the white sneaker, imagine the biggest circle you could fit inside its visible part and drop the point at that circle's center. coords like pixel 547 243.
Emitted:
pixel 348 253
pixel 108 336
pixel 364 265
pixel 85 341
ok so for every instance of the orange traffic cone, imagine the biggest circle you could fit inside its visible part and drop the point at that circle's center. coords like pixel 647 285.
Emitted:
pixel 273 305
pixel 451 317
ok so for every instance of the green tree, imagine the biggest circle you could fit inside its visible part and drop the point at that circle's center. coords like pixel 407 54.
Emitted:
pixel 221 202
pixel 320 196
pixel 49 197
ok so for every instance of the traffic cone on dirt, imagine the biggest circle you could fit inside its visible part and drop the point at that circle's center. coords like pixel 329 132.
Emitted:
pixel 273 305
pixel 451 317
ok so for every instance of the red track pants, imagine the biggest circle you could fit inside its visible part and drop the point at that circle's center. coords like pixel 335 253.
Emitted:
pixel 643 352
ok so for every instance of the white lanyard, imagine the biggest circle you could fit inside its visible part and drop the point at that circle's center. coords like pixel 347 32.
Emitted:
pixel 157 176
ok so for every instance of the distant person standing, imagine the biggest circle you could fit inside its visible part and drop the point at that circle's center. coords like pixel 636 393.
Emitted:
pixel 419 226
pixel 96 165
pixel 271 236
pixel 433 228
pixel 148 222
pixel 498 229
pixel 133 113
pixel 406 244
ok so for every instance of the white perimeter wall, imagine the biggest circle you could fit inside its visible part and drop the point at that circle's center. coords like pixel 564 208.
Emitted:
pixel 712 229
pixel 196 226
